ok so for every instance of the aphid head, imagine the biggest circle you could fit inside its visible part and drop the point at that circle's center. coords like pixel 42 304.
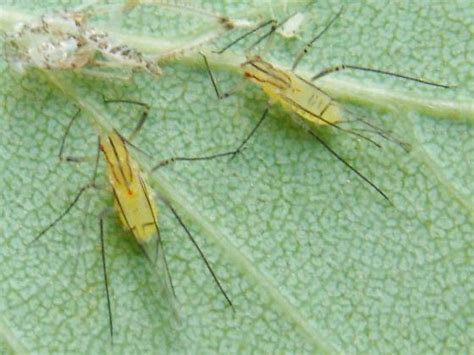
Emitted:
pixel 263 73
pixel 252 61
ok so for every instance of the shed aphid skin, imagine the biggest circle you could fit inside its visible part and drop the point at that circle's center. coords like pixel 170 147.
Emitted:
pixel 134 202
pixel 66 41
pixel 312 106
pixel 290 28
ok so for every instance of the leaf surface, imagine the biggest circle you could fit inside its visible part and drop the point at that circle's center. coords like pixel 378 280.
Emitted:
pixel 312 258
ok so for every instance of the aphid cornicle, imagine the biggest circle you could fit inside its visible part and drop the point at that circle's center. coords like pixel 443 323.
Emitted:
pixel 298 95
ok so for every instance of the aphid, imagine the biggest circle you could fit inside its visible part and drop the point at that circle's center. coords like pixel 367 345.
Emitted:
pixel 312 106
pixel 134 201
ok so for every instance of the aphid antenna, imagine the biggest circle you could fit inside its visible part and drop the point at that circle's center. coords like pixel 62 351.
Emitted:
pixel 206 262
pixel 270 35
pixel 274 25
pixel 139 124
pixel 134 146
pixel 308 45
pixel 245 35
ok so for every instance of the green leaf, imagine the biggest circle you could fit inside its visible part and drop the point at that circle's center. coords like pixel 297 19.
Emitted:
pixel 313 259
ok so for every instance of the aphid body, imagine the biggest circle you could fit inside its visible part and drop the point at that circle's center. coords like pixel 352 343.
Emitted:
pixel 133 198
pixel 293 92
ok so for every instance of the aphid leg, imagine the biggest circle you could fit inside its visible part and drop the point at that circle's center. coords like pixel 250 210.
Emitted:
pixel 259 123
pixel 63 140
pixel 308 45
pixel 63 143
pixel 219 95
pixel 223 96
pixel 207 157
pixel 196 245
pixel 62 215
pixel 106 281
pixel 342 160
pixel 341 67
pixel 73 203
pixel 142 119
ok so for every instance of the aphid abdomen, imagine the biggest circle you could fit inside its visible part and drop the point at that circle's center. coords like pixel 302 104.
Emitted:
pixel 132 195
pixel 310 102
pixel 136 213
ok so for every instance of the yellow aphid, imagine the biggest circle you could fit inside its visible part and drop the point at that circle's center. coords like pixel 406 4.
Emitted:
pixel 133 198
pixel 293 92
pixel 300 96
